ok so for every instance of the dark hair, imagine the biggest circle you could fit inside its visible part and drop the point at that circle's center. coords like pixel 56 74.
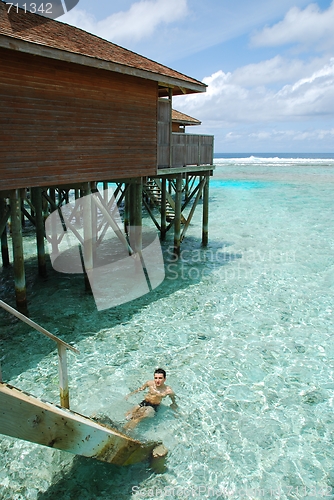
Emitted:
pixel 160 370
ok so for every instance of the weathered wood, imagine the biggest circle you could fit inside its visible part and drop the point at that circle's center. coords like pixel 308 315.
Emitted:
pixel 87 124
pixel 36 198
pixel 135 227
pixel 191 149
pixel 164 130
pixel 63 377
pixel 127 209
pixel 97 199
pixel 193 208
pixel 205 222
pixel 163 209
pixel 88 234
pixel 177 220
pixel 4 215
pixel 25 417
pixel 18 255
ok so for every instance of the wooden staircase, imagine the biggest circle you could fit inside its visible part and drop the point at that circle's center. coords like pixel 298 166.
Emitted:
pixel 23 416
pixel 26 417
pixel 153 190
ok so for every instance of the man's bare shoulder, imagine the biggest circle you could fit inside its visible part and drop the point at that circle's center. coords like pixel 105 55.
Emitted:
pixel 169 390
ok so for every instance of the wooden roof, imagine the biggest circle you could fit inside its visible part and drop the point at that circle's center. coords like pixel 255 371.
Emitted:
pixel 184 119
pixel 34 34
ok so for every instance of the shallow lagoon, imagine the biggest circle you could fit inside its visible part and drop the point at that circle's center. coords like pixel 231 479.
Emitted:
pixel 244 330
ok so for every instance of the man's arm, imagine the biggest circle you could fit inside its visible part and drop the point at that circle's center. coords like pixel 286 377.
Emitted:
pixel 137 390
pixel 172 396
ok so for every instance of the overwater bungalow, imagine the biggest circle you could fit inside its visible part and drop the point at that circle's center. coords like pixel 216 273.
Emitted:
pixel 77 111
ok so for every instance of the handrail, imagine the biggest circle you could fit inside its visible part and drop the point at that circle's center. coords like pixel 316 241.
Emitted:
pixel 62 346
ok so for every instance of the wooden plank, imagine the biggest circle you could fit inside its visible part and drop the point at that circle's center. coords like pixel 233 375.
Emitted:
pixel 65 123
pixel 23 416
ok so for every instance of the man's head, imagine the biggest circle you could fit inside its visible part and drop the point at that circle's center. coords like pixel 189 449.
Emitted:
pixel 159 376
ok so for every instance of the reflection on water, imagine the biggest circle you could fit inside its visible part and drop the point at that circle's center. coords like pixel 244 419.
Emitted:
pixel 245 332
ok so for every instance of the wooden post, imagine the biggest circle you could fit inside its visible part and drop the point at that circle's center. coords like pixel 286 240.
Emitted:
pixel 177 220
pixel 45 206
pixel 94 223
pixel 4 213
pixel 127 203
pixel 88 233
pixel 36 195
pixel 205 223
pixel 63 377
pixel 163 209
pixel 136 215
pixel 18 256
pixel 170 97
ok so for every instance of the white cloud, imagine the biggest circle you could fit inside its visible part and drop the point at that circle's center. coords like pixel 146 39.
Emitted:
pixel 231 100
pixel 275 70
pixel 140 21
pixel 306 27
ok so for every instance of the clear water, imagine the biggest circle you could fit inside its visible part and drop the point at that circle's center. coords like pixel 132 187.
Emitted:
pixel 244 330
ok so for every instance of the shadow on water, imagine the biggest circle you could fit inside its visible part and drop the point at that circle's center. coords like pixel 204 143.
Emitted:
pixel 88 478
pixel 60 303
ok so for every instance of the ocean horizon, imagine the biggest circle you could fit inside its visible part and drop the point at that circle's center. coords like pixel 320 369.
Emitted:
pixel 321 156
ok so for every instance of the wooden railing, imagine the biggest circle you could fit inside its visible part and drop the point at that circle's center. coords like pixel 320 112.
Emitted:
pixel 186 150
pixel 62 359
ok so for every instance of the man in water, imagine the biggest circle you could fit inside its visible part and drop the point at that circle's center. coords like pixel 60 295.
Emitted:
pixel 157 390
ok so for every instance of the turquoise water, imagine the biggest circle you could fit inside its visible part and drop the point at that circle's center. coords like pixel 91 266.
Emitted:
pixel 244 330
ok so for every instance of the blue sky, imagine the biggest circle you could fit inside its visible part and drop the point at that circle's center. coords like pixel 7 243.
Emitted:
pixel 269 64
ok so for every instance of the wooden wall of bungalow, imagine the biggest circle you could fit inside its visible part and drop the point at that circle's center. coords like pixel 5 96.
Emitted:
pixel 66 123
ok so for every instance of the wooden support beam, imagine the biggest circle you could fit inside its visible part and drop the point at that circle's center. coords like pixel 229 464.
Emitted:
pixel 4 215
pixel 148 208
pixel 88 233
pixel 36 198
pixel 63 377
pixel 135 233
pixel 18 256
pixel 177 220
pixel 205 222
pixel 127 208
pixel 163 209
pixel 193 208
pixel 98 200
pixel 94 223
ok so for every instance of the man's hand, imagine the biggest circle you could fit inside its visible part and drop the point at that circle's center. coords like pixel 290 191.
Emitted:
pixel 174 406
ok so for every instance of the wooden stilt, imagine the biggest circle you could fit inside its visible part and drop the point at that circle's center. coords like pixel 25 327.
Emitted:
pixel 51 198
pixel 4 249
pixel 94 223
pixel 205 222
pixel 127 203
pixel 163 209
pixel 23 221
pixel 136 215
pixel 63 377
pixel 88 233
pixel 193 208
pixel 36 195
pixel 177 220
pixel 4 214
pixel 18 256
